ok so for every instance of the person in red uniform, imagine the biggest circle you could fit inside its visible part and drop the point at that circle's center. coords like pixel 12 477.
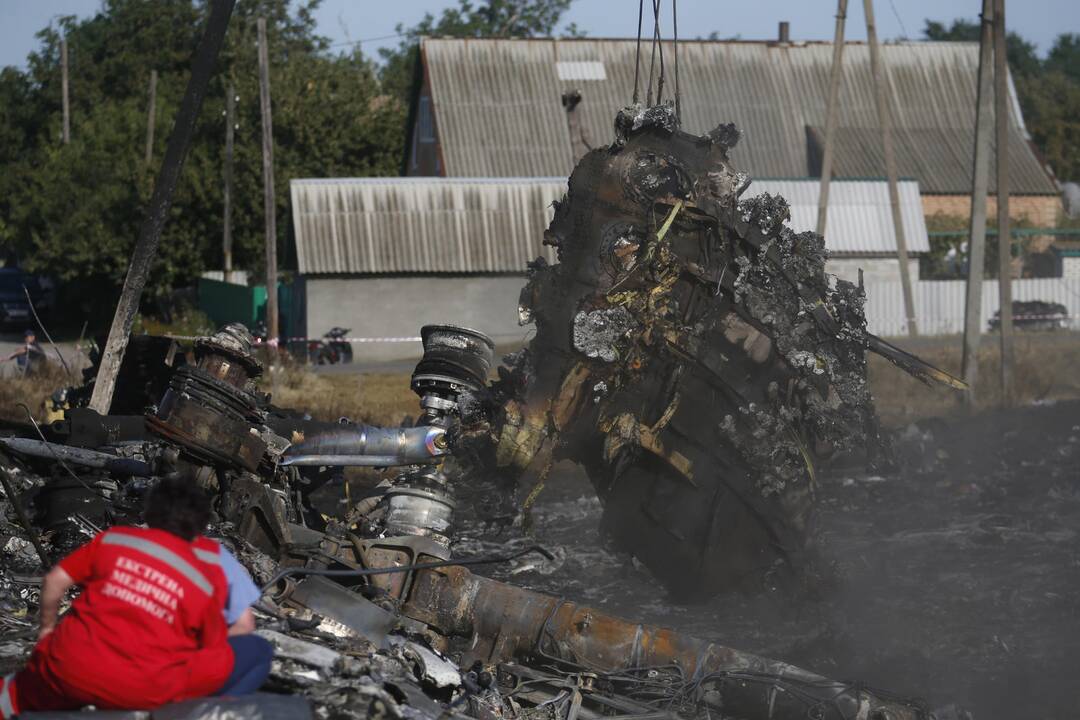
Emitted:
pixel 149 627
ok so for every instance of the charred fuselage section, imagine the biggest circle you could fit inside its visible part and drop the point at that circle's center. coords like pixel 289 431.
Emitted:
pixel 690 353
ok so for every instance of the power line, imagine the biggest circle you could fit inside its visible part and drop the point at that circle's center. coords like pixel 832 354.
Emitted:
pixel 900 20
pixel 367 40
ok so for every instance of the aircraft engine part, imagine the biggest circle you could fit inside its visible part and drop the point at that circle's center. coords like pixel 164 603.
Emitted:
pixel 360 445
pixel 456 361
pixel 209 409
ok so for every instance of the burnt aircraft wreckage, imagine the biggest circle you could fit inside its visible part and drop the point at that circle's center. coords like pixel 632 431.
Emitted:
pixel 689 354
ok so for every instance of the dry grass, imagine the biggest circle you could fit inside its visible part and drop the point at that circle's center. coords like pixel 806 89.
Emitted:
pixel 31 391
pixel 1045 371
pixel 375 398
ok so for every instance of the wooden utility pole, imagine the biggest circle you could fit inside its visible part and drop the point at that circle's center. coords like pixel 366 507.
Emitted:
pixel 885 121
pixel 980 175
pixel 230 127
pixel 168 176
pixel 268 187
pixel 831 113
pixel 1001 120
pixel 64 89
pixel 150 117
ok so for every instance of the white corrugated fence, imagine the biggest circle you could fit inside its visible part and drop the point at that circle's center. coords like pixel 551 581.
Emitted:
pixel 939 304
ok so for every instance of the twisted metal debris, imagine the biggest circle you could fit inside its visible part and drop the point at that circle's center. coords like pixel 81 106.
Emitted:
pixel 690 354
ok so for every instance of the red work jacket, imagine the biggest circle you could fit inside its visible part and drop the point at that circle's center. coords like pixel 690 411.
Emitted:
pixel 146 630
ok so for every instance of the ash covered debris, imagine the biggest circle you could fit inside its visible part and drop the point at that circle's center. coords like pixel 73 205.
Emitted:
pixel 729 365
pixel 371 614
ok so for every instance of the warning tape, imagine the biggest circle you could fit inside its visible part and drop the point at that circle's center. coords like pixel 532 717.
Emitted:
pixel 326 340
pixel 417 338
pixel 278 341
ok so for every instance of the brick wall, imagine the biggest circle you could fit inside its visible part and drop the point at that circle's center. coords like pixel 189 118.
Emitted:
pixel 1041 210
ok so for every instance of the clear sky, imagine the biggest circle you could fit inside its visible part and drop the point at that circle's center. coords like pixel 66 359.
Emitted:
pixel 1039 21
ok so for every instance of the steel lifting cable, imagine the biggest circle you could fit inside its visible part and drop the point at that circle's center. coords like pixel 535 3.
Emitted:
pixel 675 39
pixel 637 55
pixel 658 40
pixel 652 66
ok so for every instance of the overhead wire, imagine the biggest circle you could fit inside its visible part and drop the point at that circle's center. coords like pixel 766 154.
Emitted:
pixel 367 40
pixel 903 28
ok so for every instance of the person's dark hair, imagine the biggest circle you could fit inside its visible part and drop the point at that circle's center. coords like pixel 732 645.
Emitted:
pixel 179 506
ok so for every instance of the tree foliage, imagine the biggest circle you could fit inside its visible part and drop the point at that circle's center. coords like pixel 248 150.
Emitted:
pixel 74 210
pixel 1048 90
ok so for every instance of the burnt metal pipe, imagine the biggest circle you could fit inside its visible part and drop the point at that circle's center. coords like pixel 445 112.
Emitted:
pixel 504 622
pixel 352 461
pixel 78 456
pixel 370 446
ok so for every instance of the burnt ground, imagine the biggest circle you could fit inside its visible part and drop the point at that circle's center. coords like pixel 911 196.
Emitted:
pixel 955 579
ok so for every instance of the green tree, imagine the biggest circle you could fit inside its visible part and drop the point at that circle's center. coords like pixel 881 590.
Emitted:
pixel 1048 91
pixel 74 211
pixel 1064 57
pixel 1023 59
pixel 1051 105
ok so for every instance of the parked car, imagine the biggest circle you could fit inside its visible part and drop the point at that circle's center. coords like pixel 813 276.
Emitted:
pixel 1035 315
pixel 14 307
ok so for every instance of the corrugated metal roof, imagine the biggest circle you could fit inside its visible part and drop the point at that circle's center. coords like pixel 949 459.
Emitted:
pixel 498 109
pixel 467 225
pixel 399 225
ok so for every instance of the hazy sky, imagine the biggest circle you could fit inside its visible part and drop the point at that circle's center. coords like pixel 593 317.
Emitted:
pixel 1039 21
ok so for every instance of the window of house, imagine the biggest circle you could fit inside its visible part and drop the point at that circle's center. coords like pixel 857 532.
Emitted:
pixel 425 122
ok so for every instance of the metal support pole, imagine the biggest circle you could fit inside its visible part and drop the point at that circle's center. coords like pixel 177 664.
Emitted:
pixel 830 116
pixel 150 117
pixel 885 120
pixel 1001 115
pixel 269 208
pixel 154 223
pixel 64 89
pixel 980 176
pixel 230 128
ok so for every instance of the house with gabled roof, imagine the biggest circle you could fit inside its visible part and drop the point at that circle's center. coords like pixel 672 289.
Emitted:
pixel 495 108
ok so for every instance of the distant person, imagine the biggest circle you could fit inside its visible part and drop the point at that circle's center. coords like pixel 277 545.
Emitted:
pixel 150 626
pixel 29 356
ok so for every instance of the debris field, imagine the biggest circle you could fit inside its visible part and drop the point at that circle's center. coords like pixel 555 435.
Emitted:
pixel 690 355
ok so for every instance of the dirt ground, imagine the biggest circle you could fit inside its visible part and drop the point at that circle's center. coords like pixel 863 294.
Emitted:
pixel 953 579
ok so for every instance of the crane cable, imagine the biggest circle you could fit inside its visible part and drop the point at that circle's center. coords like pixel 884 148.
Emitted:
pixel 675 50
pixel 657 48
pixel 637 55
